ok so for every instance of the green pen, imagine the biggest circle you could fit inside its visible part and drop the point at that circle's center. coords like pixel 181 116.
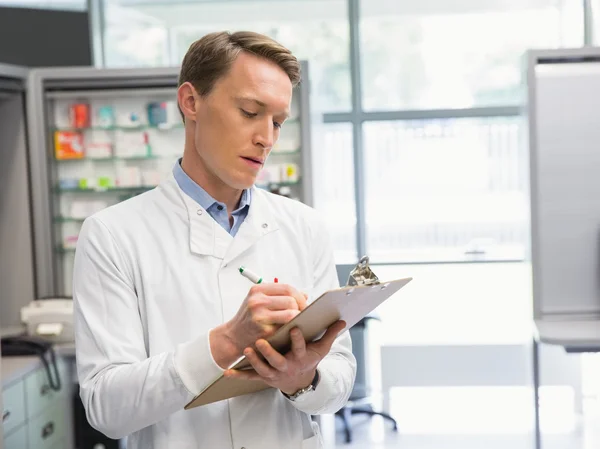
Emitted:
pixel 250 275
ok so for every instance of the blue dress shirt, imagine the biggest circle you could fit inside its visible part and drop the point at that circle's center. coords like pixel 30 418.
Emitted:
pixel 217 210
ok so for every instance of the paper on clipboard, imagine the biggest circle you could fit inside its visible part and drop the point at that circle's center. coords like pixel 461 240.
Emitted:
pixel 361 296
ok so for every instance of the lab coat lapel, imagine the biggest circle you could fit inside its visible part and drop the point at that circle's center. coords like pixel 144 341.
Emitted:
pixel 259 222
pixel 202 231
pixel 201 225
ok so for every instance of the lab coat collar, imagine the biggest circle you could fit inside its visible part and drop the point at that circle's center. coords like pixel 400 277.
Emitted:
pixel 201 196
pixel 260 221
pixel 208 238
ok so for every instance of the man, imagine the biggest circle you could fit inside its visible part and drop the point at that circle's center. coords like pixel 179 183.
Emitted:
pixel 161 309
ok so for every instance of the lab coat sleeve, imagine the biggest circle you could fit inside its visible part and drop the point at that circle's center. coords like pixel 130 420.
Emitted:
pixel 123 389
pixel 337 371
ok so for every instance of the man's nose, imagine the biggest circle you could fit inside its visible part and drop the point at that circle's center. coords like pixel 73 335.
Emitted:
pixel 265 134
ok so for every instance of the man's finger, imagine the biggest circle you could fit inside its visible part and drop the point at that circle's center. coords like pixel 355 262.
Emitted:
pixel 323 345
pixel 275 359
pixel 243 374
pixel 281 303
pixel 279 316
pixel 276 289
pixel 259 366
pixel 298 343
pixel 303 302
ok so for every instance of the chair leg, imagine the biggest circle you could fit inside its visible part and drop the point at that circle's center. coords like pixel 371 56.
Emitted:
pixel 346 416
pixel 374 413
pixel 346 413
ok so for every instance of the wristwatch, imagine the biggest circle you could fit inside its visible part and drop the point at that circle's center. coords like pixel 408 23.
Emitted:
pixel 304 390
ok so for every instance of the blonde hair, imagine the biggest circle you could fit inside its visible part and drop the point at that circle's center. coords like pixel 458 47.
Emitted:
pixel 211 57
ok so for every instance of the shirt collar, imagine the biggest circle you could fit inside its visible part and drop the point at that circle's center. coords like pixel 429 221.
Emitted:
pixel 198 194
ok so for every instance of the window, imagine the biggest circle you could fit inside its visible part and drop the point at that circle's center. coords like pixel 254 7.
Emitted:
pixel 333 187
pixel 436 54
pixel 458 304
pixel 133 39
pixel 446 190
pixel 315 30
pixel 595 21
pixel 68 5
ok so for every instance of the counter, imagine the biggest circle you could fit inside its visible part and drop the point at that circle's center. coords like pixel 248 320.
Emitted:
pixel 15 368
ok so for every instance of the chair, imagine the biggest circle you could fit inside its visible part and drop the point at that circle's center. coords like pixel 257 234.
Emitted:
pixel 360 401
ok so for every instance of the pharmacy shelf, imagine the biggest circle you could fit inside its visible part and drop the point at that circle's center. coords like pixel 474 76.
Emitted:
pixel 279 184
pixel 119 128
pixel 117 158
pixel 169 127
pixel 140 189
pixel 156 157
pixel 63 250
pixel 68 220
pixel 285 153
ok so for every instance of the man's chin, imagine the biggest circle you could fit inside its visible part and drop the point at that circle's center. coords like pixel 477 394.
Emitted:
pixel 243 183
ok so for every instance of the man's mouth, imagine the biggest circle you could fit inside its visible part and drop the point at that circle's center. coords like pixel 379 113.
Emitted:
pixel 255 160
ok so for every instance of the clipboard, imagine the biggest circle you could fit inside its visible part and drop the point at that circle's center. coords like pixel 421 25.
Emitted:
pixel 362 294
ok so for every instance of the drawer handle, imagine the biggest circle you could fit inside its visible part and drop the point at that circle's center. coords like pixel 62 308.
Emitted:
pixel 47 430
pixel 5 415
pixel 44 390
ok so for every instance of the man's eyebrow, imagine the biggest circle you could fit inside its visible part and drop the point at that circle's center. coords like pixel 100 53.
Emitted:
pixel 254 100
pixel 285 113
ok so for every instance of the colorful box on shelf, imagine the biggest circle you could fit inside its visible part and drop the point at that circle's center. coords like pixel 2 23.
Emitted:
pixel 98 183
pixel 129 177
pixel 163 114
pixel 68 145
pixel 83 209
pixel 151 177
pixel 130 145
pixel 289 172
pixel 130 119
pixel 98 150
pixel 278 173
pixel 105 117
pixel 70 242
pixel 79 115
pixel 68 183
pixel 286 146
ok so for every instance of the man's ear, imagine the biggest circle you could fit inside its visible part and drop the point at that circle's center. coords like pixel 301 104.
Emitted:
pixel 186 98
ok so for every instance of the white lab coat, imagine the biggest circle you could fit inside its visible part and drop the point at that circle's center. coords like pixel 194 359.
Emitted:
pixel 152 276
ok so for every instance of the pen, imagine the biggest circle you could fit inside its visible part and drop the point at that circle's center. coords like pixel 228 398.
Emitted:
pixel 250 275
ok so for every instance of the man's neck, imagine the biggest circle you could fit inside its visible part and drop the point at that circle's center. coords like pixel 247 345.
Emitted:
pixel 212 185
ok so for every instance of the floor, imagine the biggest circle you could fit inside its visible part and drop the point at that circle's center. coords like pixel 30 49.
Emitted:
pixel 374 436
pixel 489 425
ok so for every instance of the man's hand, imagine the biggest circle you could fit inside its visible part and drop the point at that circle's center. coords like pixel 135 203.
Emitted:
pixel 265 309
pixel 293 371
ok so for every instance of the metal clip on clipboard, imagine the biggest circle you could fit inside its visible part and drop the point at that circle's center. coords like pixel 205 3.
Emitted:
pixel 362 274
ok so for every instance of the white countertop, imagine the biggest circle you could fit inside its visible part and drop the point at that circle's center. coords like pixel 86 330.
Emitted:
pixel 16 367
pixel 570 333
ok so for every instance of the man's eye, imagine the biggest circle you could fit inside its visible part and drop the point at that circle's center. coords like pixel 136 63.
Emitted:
pixel 248 114
pixel 277 125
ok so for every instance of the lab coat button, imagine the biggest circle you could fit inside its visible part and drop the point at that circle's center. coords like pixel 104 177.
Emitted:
pixel 265 226
pixel 199 211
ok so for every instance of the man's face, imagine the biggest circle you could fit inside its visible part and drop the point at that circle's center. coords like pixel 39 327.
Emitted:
pixel 238 122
